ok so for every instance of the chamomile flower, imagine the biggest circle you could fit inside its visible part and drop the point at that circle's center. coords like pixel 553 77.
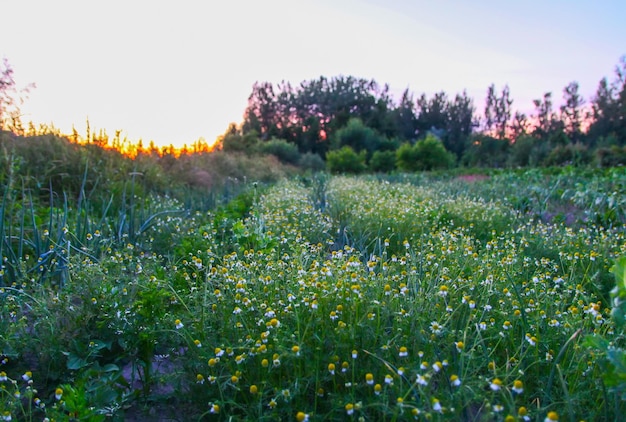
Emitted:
pixel 496 384
pixel 349 409
pixel 518 387
pixel 552 417
pixel 178 324
pixel 436 405
pixel 302 417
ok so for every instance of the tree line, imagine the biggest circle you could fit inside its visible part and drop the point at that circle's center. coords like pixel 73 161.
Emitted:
pixel 357 120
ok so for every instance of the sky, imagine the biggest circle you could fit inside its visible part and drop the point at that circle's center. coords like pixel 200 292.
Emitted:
pixel 177 71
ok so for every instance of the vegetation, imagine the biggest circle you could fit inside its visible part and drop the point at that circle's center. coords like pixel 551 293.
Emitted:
pixel 241 284
pixel 389 298
pixel 324 115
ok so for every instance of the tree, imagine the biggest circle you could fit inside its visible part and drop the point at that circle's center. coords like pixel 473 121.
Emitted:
pixel 461 123
pixel 11 98
pixel 571 111
pixel 486 151
pixel 609 108
pixel 404 118
pixel 546 119
pixel 519 126
pixel 357 136
pixel 432 114
pixel 261 115
pixel 497 111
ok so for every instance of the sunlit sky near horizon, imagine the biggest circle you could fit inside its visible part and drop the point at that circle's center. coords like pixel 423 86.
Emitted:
pixel 174 72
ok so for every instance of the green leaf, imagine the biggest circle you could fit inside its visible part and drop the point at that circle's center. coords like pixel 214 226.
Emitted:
pixel 75 363
pixel 595 342
pixel 619 270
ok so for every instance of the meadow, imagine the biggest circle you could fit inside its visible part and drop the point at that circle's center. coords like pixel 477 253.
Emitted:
pixel 370 298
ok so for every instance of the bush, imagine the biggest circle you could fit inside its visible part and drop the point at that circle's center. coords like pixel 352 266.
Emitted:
pixel 312 162
pixel 406 158
pixel 486 151
pixel 570 154
pixel 612 156
pixel 346 160
pixel 426 155
pixel 383 161
pixel 358 136
pixel 234 142
pixel 281 149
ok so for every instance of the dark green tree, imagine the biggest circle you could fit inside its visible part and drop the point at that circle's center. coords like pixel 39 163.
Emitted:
pixel 261 115
pixel 461 123
pixel 486 151
pixel 609 109
pixel 497 111
pixel 358 137
pixel 404 118
pixel 571 112
pixel 432 114
pixel 546 119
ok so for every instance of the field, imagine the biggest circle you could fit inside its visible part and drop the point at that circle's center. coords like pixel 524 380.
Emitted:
pixel 422 297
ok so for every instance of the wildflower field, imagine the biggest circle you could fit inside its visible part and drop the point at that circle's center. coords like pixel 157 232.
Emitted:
pixel 393 298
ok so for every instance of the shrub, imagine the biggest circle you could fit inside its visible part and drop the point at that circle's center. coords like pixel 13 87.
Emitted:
pixel 312 162
pixel 427 154
pixel 486 151
pixel 383 161
pixel 240 143
pixel 345 160
pixel 281 149
pixel 406 158
pixel 574 154
pixel 612 156
pixel 357 136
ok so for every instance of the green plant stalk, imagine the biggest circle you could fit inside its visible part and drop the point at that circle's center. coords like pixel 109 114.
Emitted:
pixel 557 360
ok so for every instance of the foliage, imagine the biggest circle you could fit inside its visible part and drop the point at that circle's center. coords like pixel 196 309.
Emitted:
pixel 612 156
pixel 11 98
pixel 235 142
pixel 569 154
pixel 346 160
pixel 383 161
pixel 614 358
pixel 486 151
pixel 427 154
pixel 358 137
pixel 423 295
pixel 283 150
pixel 311 162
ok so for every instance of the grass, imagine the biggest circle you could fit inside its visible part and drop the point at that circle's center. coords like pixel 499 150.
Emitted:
pixel 338 298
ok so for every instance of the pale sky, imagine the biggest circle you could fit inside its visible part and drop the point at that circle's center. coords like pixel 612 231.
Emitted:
pixel 175 71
